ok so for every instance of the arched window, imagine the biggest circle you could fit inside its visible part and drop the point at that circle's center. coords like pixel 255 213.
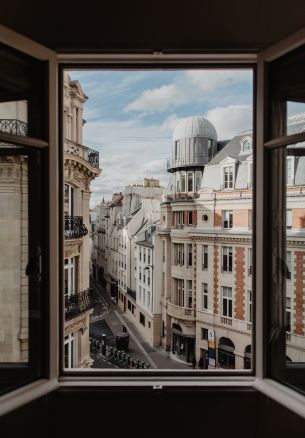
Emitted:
pixel 226 356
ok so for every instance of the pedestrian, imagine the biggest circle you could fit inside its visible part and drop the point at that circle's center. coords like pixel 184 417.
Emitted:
pixel 194 362
pixel 200 363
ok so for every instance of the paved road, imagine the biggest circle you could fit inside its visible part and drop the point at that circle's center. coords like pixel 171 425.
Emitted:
pixel 109 319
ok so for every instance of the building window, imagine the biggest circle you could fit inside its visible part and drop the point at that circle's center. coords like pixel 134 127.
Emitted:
pixel 129 305
pixel 69 200
pixel 190 181
pixel 228 177
pixel 289 219
pixel 148 256
pixel 249 261
pixel 182 182
pixel 227 258
pixel 140 293
pixel 163 250
pixel 69 276
pixel 140 273
pixel 189 293
pixel 140 253
pixel 227 218
pixel 246 145
pixel 144 255
pixel 288 264
pixel 205 297
pixel 189 255
pixel 142 319
pixel 179 292
pixel 177 145
pixel 197 181
pixel 190 217
pixel 178 254
pixel 148 299
pixel 144 296
pixel 205 257
pixel 227 301
pixel 148 277
pixel 249 312
pixel 204 333
pixel 69 351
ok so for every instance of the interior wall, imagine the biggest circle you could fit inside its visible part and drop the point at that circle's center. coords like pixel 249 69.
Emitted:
pixel 179 413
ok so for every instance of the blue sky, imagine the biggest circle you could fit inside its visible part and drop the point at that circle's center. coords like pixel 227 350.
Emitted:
pixel 130 117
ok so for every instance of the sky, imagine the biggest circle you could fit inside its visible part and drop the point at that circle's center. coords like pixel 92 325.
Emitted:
pixel 130 117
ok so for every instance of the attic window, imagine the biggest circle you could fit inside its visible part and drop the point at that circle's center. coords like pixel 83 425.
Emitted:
pixel 246 144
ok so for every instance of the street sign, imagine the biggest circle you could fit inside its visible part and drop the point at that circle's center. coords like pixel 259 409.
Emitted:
pixel 212 348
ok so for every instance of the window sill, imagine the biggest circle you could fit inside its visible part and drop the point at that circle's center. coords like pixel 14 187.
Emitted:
pixel 288 397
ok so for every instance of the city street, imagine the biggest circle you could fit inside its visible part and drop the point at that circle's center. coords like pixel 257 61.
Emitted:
pixel 108 319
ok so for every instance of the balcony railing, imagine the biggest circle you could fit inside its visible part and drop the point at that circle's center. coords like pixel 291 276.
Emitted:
pixel 132 293
pixel 74 227
pixel 193 161
pixel 219 320
pixel 82 151
pixel 13 126
pixel 179 312
pixel 79 303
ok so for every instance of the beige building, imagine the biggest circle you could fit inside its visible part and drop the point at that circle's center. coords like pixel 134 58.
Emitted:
pixel 206 231
pixel 14 285
pixel 81 166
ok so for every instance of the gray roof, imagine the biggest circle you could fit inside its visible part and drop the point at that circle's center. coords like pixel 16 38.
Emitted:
pixel 195 126
pixel 232 149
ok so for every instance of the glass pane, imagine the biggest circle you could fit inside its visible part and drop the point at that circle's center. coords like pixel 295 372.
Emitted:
pixel 147 311
pixel 295 117
pixel 14 244
pixel 294 303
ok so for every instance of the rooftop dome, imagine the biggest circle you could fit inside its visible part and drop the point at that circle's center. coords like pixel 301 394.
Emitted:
pixel 195 126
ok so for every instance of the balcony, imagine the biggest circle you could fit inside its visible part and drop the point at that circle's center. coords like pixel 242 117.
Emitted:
pixel 224 321
pixel 187 313
pixel 200 160
pixel 82 151
pixel 132 293
pixel 79 303
pixel 13 126
pixel 74 227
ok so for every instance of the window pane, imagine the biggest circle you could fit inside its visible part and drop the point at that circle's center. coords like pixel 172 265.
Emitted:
pixel 171 210
pixel 294 303
pixel 14 257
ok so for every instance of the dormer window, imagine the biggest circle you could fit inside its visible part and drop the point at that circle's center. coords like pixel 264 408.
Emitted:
pixel 246 144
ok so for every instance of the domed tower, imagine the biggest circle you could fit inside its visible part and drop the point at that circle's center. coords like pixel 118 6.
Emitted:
pixel 194 144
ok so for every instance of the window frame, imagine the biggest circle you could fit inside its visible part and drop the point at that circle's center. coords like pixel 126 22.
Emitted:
pixel 259 380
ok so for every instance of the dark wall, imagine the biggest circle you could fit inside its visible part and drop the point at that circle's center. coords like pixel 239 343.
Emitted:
pixel 146 413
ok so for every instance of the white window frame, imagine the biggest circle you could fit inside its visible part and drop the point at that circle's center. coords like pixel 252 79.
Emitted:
pixel 227 219
pixel 204 297
pixel 226 299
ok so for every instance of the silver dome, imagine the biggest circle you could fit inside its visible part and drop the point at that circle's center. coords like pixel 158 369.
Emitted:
pixel 195 126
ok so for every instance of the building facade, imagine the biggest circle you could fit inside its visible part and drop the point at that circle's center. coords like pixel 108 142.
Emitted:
pixel 81 166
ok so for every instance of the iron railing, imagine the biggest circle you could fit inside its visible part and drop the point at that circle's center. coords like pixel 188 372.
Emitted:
pixel 13 126
pixel 74 227
pixel 90 155
pixel 79 303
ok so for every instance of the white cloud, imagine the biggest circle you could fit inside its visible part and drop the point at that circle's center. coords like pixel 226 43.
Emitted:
pixel 230 120
pixel 210 80
pixel 157 99
pixel 192 86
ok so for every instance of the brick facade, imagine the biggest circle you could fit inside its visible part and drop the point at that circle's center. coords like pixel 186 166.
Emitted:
pixel 216 253
pixel 239 310
pixel 299 299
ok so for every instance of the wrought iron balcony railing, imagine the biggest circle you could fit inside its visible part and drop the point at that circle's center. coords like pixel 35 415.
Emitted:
pixel 74 227
pixel 13 126
pixel 79 303
pixel 132 293
pixel 82 151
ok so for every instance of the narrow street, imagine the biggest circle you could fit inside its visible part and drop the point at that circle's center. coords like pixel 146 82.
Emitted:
pixel 108 319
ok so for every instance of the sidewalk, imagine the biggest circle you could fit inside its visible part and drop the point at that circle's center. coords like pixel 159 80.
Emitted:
pixel 157 357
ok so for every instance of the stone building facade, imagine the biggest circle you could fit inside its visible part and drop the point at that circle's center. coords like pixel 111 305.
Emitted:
pixel 81 166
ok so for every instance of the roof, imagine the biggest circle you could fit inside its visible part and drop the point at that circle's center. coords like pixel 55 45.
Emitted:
pixel 195 126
